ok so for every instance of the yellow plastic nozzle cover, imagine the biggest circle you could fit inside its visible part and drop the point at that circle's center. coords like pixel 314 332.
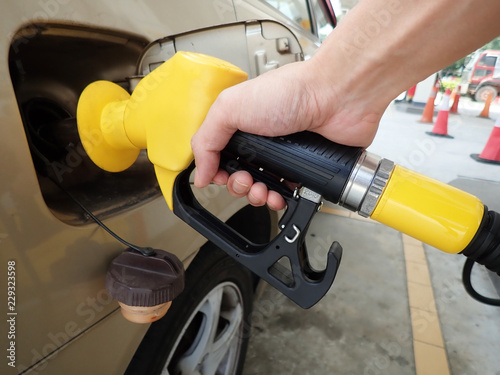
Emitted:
pixel 178 94
pixel 99 126
pixel 162 114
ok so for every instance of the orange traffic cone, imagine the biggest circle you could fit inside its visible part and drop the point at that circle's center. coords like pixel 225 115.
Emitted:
pixel 455 98
pixel 486 110
pixel 428 114
pixel 491 152
pixel 441 125
pixel 411 93
pixel 453 93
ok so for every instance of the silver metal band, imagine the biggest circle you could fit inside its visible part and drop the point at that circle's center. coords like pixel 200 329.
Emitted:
pixel 366 183
pixel 359 181
pixel 376 188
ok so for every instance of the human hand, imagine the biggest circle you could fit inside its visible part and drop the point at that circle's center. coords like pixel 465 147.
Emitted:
pixel 290 99
pixel 343 90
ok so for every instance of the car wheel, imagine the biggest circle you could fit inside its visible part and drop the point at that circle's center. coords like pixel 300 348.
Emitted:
pixel 205 330
pixel 482 93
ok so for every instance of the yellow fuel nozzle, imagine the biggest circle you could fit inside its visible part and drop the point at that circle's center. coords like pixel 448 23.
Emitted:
pixel 166 109
pixel 162 114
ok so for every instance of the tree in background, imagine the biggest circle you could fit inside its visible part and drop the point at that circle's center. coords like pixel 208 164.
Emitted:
pixel 494 44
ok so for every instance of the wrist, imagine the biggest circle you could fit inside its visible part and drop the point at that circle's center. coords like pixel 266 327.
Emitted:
pixel 355 71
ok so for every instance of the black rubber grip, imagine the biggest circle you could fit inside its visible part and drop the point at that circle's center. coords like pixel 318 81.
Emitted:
pixel 485 246
pixel 305 158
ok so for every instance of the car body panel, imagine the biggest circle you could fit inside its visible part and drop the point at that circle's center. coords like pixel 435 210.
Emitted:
pixel 63 311
pixel 253 46
pixel 48 251
pixel 256 9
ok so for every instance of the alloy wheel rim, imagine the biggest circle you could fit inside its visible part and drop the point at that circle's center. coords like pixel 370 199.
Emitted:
pixel 210 341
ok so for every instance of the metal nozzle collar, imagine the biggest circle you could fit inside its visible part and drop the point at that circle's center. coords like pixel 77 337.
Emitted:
pixel 376 188
pixel 359 181
pixel 366 183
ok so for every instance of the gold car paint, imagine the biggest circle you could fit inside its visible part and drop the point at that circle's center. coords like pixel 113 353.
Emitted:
pixel 60 268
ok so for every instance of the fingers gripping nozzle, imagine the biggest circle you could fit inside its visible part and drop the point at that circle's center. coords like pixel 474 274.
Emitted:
pixel 161 115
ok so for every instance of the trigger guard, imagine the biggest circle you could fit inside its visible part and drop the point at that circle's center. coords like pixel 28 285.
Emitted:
pixel 301 283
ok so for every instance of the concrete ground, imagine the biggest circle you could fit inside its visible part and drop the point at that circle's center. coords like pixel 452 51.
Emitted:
pixel 397 306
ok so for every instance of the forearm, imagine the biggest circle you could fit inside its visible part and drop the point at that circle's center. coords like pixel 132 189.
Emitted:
pixel 384 47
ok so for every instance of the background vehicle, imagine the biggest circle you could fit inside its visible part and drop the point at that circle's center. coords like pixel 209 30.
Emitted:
pixel 478 76
pixel 489 85
pixel 65 321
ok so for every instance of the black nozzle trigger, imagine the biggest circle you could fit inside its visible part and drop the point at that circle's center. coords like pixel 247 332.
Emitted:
pixel 283 262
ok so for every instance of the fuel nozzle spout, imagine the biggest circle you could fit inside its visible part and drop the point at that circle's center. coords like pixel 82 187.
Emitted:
pixel 161 115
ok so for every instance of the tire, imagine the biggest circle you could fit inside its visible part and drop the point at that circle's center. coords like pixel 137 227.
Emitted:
pixel 482 93
pixel 205 330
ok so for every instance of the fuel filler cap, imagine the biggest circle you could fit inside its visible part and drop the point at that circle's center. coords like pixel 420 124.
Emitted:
pixel 145 286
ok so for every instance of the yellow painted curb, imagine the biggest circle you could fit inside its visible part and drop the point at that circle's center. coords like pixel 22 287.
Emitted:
pixel 428 344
